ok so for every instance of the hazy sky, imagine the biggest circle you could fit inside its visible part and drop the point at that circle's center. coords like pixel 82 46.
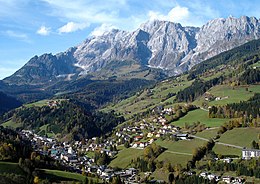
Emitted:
pixel 34 27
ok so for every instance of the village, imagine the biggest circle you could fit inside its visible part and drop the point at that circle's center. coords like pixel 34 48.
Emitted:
pixel 136 135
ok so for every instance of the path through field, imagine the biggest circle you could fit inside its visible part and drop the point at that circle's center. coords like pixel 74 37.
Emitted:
pixel 225 144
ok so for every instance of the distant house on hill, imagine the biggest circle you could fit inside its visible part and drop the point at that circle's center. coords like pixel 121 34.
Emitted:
pixel 182 136
pixel 250 153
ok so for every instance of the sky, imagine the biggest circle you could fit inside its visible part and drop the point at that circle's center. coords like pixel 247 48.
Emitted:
pixel 35 27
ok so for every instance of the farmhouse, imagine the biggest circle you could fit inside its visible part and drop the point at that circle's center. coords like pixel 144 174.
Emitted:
pixel 250 153
pixel 182 136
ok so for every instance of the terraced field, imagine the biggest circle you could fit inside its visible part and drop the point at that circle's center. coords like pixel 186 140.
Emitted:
pixel 201 116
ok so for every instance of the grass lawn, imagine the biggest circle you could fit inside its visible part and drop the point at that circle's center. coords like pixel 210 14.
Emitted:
pixel 43 131
pixel 174 158
pixel 240 136
pixel 201 116
pixel 57 176
pixel 143 101
pixel 235 95
pixel 182 146
pixel 124 157
pixel 225 150
pixel 9 167
pixel 11 124
pixel 256 64
pixel 208 133
pixel 90 154
pixel 41 103
pixel 38 103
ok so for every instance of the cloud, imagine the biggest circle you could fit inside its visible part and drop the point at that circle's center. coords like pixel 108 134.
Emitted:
pixel 177 14
pixel 72 27
pixel 85 10
pixel 116 12
pixel 44 31
pixel 98 31
pixel 17 35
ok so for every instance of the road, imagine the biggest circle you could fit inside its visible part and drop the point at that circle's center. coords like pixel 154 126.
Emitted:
pixel 221 143
pixel 204 109
pixel 179 153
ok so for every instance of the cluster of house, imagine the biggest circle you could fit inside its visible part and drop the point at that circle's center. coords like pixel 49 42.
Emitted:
pixel 235 180
pixel 127 175
pixel 69 156
pixel 53 103
pixel 140 135
pixel 210 176
pixel 226 179
pixel 209 97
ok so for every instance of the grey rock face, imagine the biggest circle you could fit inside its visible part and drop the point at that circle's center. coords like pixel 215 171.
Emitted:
pixel 220 35
pixel 167 45
pixel 158 44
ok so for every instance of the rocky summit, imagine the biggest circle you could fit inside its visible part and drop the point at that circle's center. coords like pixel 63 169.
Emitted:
pixel 156 44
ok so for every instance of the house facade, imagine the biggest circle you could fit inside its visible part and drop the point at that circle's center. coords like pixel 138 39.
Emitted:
pixel 250 153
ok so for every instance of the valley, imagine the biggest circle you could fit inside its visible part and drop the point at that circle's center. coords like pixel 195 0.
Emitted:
pixel 195 119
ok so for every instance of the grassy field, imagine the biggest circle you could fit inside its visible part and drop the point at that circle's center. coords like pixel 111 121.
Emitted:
pixel 43 131
pixel 174 158
pixel 38 103
pixel 201 116
pixel 148 99
pixel 208 133
pixel 9 167
pixel 124 157
pixel 237 94
pixel 240 136
pixel 12 124
pixel 256 64
pixel 53 175
pixel 182 146
pixel 41 103
pixel 61 175
pixel 225 150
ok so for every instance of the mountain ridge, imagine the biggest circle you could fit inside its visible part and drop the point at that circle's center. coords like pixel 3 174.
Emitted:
pixel 157 44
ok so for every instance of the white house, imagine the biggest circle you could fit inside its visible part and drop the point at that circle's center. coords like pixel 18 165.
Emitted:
pixel 143 145
pixel 227 179
pixel 149 135
pixel 107 172
pixel 250 153
pixel 70 150
pixel 182 136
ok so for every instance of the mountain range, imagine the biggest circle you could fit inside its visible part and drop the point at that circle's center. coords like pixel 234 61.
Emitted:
pixel 163 45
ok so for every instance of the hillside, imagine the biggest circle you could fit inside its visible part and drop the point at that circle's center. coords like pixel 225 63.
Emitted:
pixel 7 103
pixel 184 125
pixel 224 75
pixel 216 100
pixel 153 52
pixel 66 118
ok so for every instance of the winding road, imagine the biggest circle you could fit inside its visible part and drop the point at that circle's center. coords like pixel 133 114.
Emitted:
pixel 221 143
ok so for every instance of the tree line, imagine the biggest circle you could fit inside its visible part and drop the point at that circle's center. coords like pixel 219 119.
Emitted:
pixel 67 118
pixel 247 111
pixel 247 53
pixel 196 89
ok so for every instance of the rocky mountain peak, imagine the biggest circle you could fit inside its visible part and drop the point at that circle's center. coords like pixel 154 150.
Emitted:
pixel 221 34
pixel 158 44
